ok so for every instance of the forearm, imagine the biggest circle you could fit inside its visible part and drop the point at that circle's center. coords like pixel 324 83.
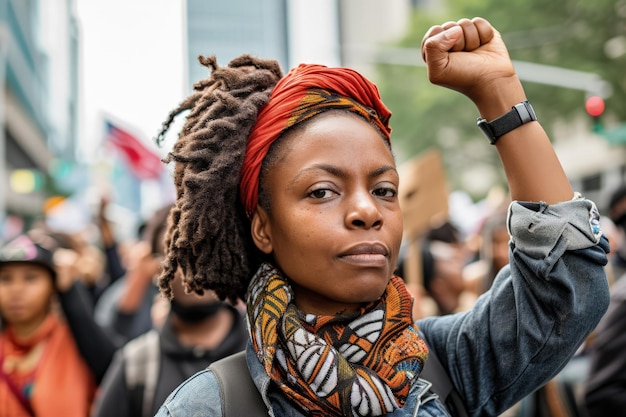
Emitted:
pixel 532 168
pixel 470 57
pixel 136 286
pixel 114 266
pixel 93 343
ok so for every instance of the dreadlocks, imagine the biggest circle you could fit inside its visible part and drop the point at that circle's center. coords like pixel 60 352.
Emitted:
pixel 207 239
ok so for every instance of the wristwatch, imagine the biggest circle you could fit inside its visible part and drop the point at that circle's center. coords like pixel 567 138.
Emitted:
pixel 518 115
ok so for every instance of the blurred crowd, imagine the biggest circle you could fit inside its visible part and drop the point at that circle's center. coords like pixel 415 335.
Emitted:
pixel 84 330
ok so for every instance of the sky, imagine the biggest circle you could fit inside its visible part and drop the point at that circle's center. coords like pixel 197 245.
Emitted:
pixel 132 63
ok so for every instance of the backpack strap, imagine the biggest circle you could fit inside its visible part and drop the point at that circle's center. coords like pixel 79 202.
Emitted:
pixel 435 373
pixel 240 397
pixel 141 367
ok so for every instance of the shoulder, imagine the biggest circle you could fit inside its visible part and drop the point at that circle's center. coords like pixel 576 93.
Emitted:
pixel 198 395
pixel 142 344
pixel 104 308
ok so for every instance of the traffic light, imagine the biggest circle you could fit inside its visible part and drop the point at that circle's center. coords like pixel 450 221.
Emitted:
pixel 594 105
pixel 25 181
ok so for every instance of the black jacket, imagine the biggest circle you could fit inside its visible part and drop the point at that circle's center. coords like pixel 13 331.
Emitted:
pixel 606 385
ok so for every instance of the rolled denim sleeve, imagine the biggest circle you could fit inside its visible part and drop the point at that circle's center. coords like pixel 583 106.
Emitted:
pixel 540 309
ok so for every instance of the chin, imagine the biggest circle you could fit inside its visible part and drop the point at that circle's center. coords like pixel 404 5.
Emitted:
pixel 365 294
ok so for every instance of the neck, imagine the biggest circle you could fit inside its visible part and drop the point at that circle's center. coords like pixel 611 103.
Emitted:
pixel 208 333
pixel 25 330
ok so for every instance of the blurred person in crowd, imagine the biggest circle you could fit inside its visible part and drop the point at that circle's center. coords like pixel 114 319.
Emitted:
pixel 617 214
pixel 616 239
pixel 114 264
pixel 94 343
pixel 90 262
pixel 125 308
pixel 41 370
pixel 492 242
pixel 443 257
pixel 443 276
pixel 198 331
pixel 450 254
pixel 127 305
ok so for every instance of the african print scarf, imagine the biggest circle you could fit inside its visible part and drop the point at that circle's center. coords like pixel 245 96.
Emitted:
pixel 359 364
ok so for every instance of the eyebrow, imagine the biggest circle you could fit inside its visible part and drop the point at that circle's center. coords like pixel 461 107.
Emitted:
pixel 340 173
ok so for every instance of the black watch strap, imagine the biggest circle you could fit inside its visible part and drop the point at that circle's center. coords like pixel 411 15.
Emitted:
pixel 518 115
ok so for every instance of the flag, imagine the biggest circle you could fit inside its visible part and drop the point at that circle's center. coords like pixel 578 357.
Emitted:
pixel 142 161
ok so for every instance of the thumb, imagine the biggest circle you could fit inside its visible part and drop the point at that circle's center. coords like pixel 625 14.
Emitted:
pixel 438 42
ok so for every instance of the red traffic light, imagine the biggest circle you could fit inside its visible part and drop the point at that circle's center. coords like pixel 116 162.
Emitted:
pixel 594 106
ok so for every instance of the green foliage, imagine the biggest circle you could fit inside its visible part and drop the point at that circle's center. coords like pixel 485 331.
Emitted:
pixel 563 33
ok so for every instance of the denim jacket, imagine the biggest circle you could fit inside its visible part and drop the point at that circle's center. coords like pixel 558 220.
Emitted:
pixel 517 336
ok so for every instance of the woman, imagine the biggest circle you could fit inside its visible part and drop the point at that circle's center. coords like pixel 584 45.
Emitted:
pixel 310 233
pixel 41 371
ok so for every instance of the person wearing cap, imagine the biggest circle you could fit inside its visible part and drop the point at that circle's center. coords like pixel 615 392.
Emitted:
pixel 617 214
pixel 41 371
pixel 287 196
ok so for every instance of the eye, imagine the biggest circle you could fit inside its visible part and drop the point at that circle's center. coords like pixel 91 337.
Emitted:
pixel 31 277
pixel 321 193
pixel 386 192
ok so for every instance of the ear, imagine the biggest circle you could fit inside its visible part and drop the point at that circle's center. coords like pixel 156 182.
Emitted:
pixel 261 230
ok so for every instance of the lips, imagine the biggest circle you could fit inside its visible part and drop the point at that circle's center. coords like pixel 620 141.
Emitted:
pixel 367 249
pixel 14 309
pixel 14 306
pixel 367 255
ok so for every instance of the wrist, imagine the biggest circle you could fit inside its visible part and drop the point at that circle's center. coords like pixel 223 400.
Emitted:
pixel 498 97
pixel 517 116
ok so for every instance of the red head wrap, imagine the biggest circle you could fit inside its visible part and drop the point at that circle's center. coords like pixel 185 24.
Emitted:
pixel 284 110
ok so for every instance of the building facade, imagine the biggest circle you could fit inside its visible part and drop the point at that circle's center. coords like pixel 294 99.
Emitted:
pixel 38 101
pixel 329 32
pixel 228 29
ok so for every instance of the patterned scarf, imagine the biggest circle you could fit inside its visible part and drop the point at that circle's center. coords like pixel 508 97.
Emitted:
pixel 359 364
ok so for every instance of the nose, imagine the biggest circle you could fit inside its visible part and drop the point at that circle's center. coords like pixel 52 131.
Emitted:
pixel 364 212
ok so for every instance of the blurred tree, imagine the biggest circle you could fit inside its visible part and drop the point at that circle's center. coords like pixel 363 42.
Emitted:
pixel 572 34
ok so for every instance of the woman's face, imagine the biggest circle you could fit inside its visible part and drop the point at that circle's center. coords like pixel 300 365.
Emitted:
pixel 26 290
pixel 334 226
